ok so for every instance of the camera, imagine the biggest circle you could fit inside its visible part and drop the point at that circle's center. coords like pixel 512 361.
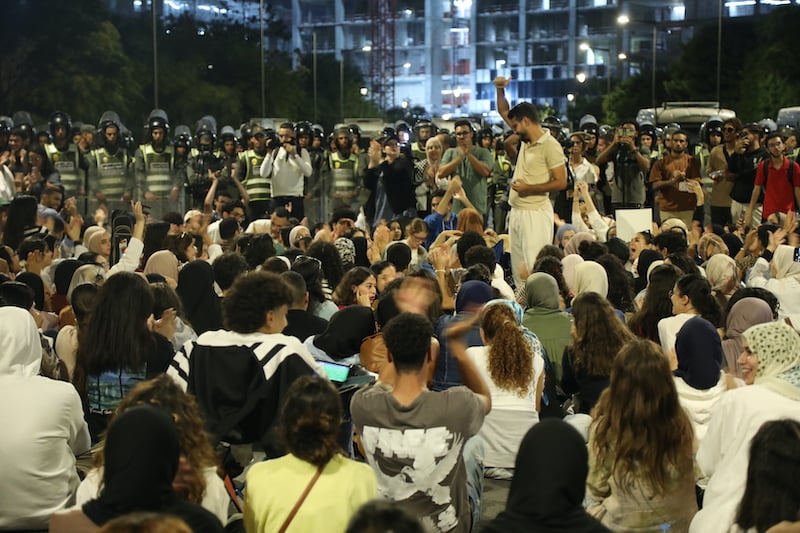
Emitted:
pixel 743 134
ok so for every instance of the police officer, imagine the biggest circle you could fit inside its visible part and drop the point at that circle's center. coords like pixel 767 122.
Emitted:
pixel 110 180
pixel 259 188
pixel 66 158
pixel 203 160
pixel 154 164
pixel 344 172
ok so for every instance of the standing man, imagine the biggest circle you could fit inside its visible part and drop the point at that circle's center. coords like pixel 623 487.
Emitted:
pixel 344 173
pixel 154 167
pixel 66 157
pixel 719 160
pixel 779 178
pixel 749 153
pixel 258 185
pixel 630 165
pixel 540 170
pixel 472 164
pixel 671 177
pixel 110 177
pixel 289 165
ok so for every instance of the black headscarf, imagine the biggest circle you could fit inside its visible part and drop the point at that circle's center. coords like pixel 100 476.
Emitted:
pixel 646 258
pixel 141 460
pixel 699 351
pixel 360 244
pixel 63 274
pixel 549 484
pixel 36 284
pixel 200 303
pixel 346 329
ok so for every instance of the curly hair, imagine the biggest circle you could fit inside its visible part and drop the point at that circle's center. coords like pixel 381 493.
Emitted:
pixel 195 442
pixel 344 293
pixel 310 419
pixel 657 304
pixel 640 431
pixel 599 334
pixel 251 297
pixel 510 354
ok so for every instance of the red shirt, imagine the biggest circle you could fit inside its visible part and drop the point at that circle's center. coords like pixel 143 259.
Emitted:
pixel 779 194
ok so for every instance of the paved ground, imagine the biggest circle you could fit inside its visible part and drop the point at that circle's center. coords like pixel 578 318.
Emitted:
pixel 494 499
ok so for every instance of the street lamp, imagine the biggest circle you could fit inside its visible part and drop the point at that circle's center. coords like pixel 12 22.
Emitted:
pixel 624 20
pixel 581 77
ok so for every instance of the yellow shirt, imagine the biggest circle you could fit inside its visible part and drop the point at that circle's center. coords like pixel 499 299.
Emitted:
pixel 273 488
pixel 534 163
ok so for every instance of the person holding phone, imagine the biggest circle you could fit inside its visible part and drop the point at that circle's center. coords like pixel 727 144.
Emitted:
pixel 676 178
pixel 630 163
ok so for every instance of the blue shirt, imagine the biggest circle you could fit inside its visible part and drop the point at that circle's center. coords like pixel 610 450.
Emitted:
pixel 437 224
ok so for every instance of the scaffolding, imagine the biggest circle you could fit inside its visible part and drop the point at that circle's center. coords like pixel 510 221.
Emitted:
pixel 382 63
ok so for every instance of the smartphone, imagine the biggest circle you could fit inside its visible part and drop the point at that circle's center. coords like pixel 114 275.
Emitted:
pixel 336 372
pixel 797 255
pixel 683 186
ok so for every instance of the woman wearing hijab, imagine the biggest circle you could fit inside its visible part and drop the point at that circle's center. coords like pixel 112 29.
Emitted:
pixel 141 459
pixel 723 276
pixel 360 244
pixel 770 361
pixel 44 433
pixel 549 484
pixel 99 243
pixel 744 314
pixel 62 277
pixel 781 276
pixel 346 251
pixel 591 277
pixel 563 234
pixel 544 317
pixel 165 263
pixel 699 378
pixel 341 340
pixel 200 302
pixel 574 244
pixel 570 264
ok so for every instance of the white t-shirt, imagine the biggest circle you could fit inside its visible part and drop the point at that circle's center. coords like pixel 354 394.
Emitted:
pixel 511 416
pixel 534 163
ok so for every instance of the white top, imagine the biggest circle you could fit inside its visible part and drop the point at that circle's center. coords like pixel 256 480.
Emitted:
pixel 786 289
pixel 668 329
pixel 43 429
pixel 584 172
pixel 534 163
pixel 724 453
pixel 215 498
pixel 213 232
pixel 699 404
pixel 511 416
pixel 599 226
pixel 287 171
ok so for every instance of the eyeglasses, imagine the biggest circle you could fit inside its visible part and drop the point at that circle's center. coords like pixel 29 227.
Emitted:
pixel 728 129
pixel 775 145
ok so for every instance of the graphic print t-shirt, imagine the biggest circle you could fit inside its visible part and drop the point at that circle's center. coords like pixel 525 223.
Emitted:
pixel 415 450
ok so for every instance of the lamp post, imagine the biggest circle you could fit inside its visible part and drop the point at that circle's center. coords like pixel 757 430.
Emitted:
pixel 624 20
pixel 586 47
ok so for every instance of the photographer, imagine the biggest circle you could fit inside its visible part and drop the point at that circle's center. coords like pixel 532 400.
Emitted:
pixel 289 165
pixel 630 164
pixel 743 164
pixel 676 178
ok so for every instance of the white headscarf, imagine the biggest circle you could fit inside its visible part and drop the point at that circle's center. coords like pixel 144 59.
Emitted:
pixel 22 349
pixel 776 346
pixel 591 277
pixel 785 265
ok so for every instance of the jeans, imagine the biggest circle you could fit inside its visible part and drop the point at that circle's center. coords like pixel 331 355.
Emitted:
pixel 473 454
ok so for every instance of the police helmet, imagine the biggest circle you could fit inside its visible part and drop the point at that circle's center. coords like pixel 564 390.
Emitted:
pixel 23 121
pixel 354 130
pixel 318 132
pixel 109 118
pixel 486 132
pixel 59 118
pixel 227 134
pixel 588 124
pixel 605 131
pixel 206 131
pixel 183 136
pixel 647 128
pixel 768 125
pixel 388 131
pixel 158 119
pixel 424 123
pixel 302 128
pixel 6 123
